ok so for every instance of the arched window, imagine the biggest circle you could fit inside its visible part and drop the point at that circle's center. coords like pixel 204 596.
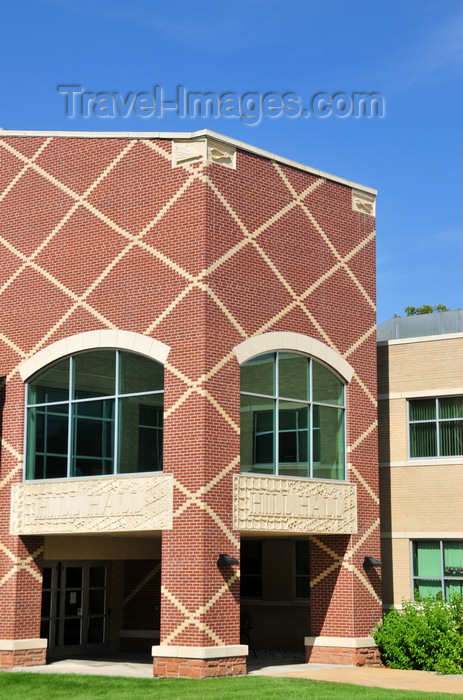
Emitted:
pixel 95 413
pixel 292 417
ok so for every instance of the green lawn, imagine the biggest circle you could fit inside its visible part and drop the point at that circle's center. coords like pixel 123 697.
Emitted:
pixel 38 686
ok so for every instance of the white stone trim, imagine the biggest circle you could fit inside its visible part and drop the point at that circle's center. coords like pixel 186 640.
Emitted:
pixel 227 140
pixel 422 393
pixel 347 642
pixel 199 652
pixel 424 462
pixel 90 340
pixel 94 505
pixel 420 339
pixel 289 341
pixel 439 535
pixel 21 644
pixel 202 151
pixel 363 203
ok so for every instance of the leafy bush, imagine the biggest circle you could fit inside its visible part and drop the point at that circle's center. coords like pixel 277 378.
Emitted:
pixel 426 635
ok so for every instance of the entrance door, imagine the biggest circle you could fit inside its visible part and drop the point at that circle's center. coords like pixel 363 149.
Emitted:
pixel 75 607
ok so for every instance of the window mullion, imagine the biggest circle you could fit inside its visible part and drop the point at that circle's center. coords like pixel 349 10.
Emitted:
pixel 276 441
pixel 442 572
pixel 437 428
pixel 310 426
pixel 70 416
pixel 116 416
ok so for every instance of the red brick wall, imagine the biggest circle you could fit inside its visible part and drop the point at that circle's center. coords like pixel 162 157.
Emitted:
pixel 103 233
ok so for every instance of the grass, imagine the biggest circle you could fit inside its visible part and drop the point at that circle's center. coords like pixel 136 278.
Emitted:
pixel 37 686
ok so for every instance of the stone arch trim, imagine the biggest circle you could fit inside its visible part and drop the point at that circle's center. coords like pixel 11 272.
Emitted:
pixel 92 340
pixel 293 342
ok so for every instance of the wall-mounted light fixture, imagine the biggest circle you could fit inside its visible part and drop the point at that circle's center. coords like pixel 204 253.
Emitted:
pixel 371 561
pixel 226 560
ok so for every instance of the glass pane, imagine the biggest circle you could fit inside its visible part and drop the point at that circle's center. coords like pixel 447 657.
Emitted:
pixel 95 633
pixel 293 376
pixel 302 550
pixel 423 440
pixel 94 374
pixel 46 603
pixel 453 558
pixel 251 556
pixel 452 587
pixel 451 407
pixel 251 568
pixel 97 576
pixel 263 449
pixel 330 442
pixel 47 439
pixel 46 577
pixel 257 375
pixel 45 629
pixel 93 438
pixel 424 588
pixel 251 586
pixel 327 388
pixel 72 631
pixel 424 409
pixel 427 559
pixel 50 385
pixel 56 435
pixel 139 374
pixel 257 434
pixel 73 602
pixel 96 602
pixel 303 587
pixel 293 453
pixel 74 577
pixel 140 433
pixel 451 438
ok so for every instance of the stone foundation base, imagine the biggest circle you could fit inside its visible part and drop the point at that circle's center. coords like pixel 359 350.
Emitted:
pixel 173 667
pixel 342 651
pixel 199 662
pixel 23 652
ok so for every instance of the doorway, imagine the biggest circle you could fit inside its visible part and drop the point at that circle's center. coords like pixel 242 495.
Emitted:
pixel 75 612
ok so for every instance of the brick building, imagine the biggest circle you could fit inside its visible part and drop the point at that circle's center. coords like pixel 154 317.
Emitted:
pixel 420 390
pixel 146 281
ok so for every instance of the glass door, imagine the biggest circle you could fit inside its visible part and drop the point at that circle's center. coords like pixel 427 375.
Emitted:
pixel 75 607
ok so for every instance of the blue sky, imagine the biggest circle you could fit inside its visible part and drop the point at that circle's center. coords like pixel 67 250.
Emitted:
pixel 407 50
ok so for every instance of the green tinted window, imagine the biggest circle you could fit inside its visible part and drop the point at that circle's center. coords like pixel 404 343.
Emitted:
pixel 436 427
pixel 257 375
pixel 293 376
pixel 140 374
pixel 95 413
pixel 296 432
pixel 327 388
pixel 94 374
pixel 51 385
pixel 438 567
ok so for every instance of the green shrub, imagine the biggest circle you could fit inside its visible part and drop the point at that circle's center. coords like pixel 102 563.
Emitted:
pixel 426 635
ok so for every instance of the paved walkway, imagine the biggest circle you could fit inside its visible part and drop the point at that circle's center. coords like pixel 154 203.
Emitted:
pixel 368 676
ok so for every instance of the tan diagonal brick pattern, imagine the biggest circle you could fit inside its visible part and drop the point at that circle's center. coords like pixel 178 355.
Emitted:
pixel 249 238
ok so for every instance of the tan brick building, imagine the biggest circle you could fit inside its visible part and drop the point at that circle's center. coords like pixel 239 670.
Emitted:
pixel 145 281
pixel 420 393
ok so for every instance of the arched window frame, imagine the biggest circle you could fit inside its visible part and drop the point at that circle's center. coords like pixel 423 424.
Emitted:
pixel 74 346
pixel 297 344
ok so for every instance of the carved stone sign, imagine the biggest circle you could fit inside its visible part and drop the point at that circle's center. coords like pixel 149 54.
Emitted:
pixel 271 504
pixel 203 150
pixel 78 506
pixel 363 203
